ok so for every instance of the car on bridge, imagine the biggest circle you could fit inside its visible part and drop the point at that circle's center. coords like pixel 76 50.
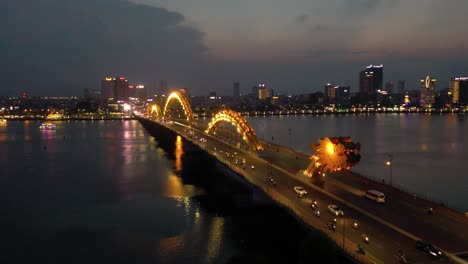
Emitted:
pixel 428 248
pixel 335 209
pixel 300 191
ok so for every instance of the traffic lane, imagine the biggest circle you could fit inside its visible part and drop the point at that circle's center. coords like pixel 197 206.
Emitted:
pixel 355 235
pixel 447 214
pixel 412 254
pixel 392 241
pixel 457 240
pixel 438 228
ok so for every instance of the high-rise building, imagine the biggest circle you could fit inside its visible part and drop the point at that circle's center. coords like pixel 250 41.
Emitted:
pixel 163 87
pixel 389 86
pixel 140 92
pixel 427 91
pixel 262 92
pixel 236 90
pixel 330 93
pixel 343 94
pixel 337 94
pixel 107 88
pixel 458 90
pixel 121 89
pixel 371 79
pixel 401 86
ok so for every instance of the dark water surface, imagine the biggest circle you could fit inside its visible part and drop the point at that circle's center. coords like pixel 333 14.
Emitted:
pixel 103 192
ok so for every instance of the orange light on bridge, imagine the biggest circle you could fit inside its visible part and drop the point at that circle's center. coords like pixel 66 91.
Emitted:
pixel 330 148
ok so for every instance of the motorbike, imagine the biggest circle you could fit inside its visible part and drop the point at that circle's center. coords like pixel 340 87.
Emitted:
pixel 314 205
pixel 365 238
pixel 402 257
pixel 360 250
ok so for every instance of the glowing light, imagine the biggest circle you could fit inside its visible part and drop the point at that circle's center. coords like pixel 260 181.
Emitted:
pixel 242 127
pixel 330 148
pixel 127 107
pixel 108 79
pixel 183 101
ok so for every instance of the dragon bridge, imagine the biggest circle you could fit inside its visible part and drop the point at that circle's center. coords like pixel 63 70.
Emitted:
pixel 154 111
pixel 242 127
pixel 333 154
pixel 178 96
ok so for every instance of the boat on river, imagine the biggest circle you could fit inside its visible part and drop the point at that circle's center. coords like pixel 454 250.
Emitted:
pixel 48 126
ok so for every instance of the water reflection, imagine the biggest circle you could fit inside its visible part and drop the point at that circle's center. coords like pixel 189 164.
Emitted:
pixel 215 239
pixel 178 152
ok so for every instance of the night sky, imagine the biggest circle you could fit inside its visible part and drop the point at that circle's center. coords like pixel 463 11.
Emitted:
pixel 60 47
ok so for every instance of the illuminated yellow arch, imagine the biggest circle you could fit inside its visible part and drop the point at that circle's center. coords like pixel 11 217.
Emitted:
pixel 183 101
pixel 242 127
pixel 154 111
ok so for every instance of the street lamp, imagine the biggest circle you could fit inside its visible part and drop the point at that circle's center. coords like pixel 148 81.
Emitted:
pixel 390 164
pixel 344 223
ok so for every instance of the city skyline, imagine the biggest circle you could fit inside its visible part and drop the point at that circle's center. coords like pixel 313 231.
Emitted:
pixel 62 47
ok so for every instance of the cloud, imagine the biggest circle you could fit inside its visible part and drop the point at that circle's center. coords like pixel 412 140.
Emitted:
pixel 301 18
pixel 62 46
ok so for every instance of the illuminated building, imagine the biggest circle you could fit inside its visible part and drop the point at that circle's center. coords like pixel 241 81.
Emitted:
pixel 337 94
pixel 329 92
pixel 140 92
pixel 458 90
pixel 121 89
pixel 371 79
pixel 262 92
pixel 107 88
pixel 427 92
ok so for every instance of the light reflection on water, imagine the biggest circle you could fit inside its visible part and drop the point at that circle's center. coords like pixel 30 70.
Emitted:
pixel 104 192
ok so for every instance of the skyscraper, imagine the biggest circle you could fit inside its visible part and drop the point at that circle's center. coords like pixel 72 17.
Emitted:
pixel 121 89
pixel 458 90
pixel 162 87
pixel 236 90
pixel 262 92
pixel 427 91
pixel 371 79
pixel 140 92
pixel 107 88
pixel 401 86
pixel 330 93
pixel 389 87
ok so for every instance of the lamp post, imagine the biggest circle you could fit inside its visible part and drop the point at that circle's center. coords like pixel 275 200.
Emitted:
pixel 390 164
pixel 344 224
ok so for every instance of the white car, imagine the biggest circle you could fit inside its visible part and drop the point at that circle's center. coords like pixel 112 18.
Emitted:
pixel 334 209
pixel 300 191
